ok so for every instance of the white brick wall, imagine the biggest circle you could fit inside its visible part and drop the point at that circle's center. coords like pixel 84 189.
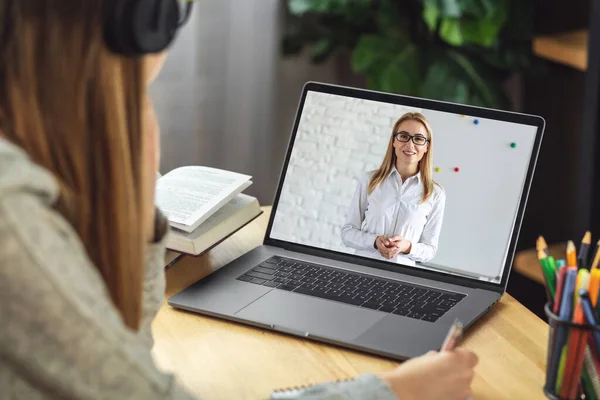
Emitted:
pixel 338 139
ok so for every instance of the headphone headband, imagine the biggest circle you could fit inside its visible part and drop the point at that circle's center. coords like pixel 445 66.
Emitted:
pixel 137 27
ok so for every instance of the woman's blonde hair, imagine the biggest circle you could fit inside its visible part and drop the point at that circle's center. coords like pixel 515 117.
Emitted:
pixel 425 165
pixel 75 108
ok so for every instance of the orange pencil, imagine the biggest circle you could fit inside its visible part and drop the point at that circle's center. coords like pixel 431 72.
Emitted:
pixel 580 357
pixel 571 254
pixel 571 377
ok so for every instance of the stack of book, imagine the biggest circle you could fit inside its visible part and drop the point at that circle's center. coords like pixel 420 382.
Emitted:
pixel 204 207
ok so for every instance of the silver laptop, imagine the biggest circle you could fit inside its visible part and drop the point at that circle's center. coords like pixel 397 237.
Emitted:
pixel 451 229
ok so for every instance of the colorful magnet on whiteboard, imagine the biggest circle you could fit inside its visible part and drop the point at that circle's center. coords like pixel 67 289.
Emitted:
pixel 437 169
pixel 456 169
pixel 513 145
pixel 462 115
pixel 476 122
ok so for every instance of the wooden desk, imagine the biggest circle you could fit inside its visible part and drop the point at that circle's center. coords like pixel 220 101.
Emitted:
pixel 526 261
pixel 216 359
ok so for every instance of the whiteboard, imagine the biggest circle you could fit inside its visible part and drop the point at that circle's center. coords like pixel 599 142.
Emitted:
pixel 483 197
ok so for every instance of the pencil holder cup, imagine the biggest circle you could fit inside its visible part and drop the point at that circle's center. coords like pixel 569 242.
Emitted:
pixel 570 370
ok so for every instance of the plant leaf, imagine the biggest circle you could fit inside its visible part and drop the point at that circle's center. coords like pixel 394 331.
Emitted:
pixel 369 51
pixel 299 7
pixel 484 32
pixel 402 74
pixel 431 14
pixel 450 8
pixel 321 50
pixel 450 31
pixel 489 91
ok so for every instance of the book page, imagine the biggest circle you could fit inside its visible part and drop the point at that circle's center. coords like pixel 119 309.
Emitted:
pixel 187 194
pixel 237 203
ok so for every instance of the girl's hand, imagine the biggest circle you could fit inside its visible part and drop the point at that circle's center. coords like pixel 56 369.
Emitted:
pixel 434 376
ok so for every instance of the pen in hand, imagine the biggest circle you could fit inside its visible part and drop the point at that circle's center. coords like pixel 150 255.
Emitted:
pixel 453 338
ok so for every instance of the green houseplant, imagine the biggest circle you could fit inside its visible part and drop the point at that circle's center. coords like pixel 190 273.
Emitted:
pixel 453 50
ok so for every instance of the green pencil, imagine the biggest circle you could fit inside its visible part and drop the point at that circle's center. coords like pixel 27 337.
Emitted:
pixel 553 273
pixel 549 275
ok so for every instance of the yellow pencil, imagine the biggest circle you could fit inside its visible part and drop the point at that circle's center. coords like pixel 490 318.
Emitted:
pixel 571 254
pixel 596 256
pixel 561 369
pixel 582 282
pixel 541 244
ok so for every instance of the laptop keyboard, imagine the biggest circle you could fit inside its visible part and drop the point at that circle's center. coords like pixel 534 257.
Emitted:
pixel 385 295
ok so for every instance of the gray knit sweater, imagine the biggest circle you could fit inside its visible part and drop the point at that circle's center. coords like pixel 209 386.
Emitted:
pixel 60 335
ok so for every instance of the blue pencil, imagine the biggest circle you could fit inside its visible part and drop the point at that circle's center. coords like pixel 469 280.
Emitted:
pixel 588 310
pixel 566 309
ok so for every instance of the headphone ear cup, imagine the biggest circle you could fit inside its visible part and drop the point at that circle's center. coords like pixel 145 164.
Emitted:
pixel 117 30
pixel 154 24
pixel 139 27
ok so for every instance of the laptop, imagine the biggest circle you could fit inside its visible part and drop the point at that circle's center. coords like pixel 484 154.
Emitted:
pixel 319 274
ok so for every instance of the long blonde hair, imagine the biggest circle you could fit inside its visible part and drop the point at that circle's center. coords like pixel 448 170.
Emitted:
pixel 425 165
pixel 75 108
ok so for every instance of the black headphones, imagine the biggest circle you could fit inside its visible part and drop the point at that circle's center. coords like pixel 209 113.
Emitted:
pixel 137 27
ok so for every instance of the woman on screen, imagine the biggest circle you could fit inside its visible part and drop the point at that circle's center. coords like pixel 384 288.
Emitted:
pixel 397 211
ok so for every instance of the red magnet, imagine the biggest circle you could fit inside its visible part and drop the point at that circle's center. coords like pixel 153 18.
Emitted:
pixel 456 169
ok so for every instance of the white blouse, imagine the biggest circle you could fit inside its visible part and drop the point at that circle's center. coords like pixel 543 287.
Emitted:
pixel 394 209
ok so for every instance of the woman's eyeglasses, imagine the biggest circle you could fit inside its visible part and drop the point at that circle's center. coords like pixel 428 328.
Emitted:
pixel 185 10
pixel 404 137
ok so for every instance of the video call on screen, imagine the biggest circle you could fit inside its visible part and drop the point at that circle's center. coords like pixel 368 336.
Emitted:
pixel 477 166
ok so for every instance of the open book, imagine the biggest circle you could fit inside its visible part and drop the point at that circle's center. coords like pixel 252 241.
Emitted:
pixel 190 195
pixel 204 206
pixel 226 221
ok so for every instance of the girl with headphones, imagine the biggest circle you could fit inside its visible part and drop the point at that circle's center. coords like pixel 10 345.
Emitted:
pixel 81 243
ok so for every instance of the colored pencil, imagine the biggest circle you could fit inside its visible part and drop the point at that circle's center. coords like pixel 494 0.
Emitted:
pixel 594 286
pixel 592 370
pixel 561 333
pixel 596 258
pixel 583 282
pixel 549 275
pixel 552 275
pixel 588 312
pixel 579 358
pixel 571 377
pixel 584 248
pixel 589 372
pixel 571 254
pixel 561 370
pixel 541 244
pixel 560 284
pixel 597 308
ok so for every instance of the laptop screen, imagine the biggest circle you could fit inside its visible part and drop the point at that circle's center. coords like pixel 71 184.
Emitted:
pixel 409 186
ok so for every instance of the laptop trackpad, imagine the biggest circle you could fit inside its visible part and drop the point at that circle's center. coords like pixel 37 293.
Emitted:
pixel 306 314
